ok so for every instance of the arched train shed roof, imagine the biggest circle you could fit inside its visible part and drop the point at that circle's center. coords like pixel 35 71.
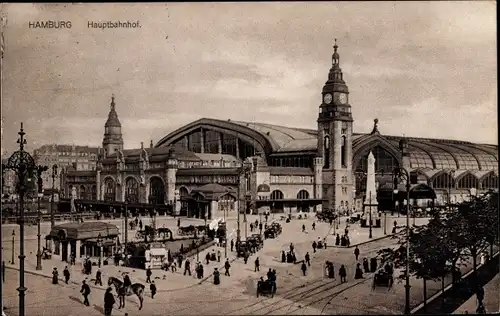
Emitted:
pixel 424 152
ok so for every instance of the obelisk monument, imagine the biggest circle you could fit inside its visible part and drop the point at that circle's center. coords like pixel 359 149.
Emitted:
pixel 371 203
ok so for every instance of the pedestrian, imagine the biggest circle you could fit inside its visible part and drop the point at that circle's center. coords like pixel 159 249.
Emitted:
pixel 303 268
pixel 314 245
pixel 73 259
pixel 109 301
pixel 232 245
pixel 257 265
pixel 152 288
pixel 251 227
pixel 314 226
pixel 98 279
pixel 308 259
pixel 342 274
pixel 245 256
pixel 291 247
pixel 227 265
pixel 201 271
pixel 256 223
pixel 55 276
pixel 283 256
pixel 66 274
pixel 356 252
pixel 207 257
pixel 303 228
pixel 218 255
pixel 337 240
pixel 260 227
pixel 85 292
pixel 179 261
pixel 359 272
pixel 178 222
pixel 187 267
pixel 216 276
pixel 148 275
pixel 140 224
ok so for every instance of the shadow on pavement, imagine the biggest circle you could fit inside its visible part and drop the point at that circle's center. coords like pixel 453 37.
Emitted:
pixel 76 299
pixel 99 309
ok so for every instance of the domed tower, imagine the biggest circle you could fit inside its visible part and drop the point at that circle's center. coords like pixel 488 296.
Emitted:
pixel 113 138
pixel 335 139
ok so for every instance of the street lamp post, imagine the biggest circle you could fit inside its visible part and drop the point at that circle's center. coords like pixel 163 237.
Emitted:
pixel 401 174
pixel 385 222
pixel 52 204
pixel 40 170
pixel 99 245
pixel 225 232
pixel 13 245
pixel 24 165
pixel 126 225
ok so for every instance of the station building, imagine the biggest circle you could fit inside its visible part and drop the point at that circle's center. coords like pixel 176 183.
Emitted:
pixel 199 170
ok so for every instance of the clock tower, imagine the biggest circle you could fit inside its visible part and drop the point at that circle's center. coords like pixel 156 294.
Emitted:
pixel 335 140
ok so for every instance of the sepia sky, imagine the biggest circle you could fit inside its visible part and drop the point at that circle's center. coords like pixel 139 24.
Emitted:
pixel 424 69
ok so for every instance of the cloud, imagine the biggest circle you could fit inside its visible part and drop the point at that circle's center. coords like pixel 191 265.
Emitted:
pixel 411 64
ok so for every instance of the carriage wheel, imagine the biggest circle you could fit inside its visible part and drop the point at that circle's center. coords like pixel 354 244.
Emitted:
pixel 179 232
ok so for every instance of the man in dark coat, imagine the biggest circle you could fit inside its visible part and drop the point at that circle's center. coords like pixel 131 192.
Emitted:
pixel 232 245
pixel 109 301
pixel 303 268
pixel 283 256
pixel 343 274
pixel 207 258
pixel 66 274
pixel 356 253
pixel 257 265
pixel 148 275
pixel 187 267
pixel 314 245
pixel 216 276
pixel 85 292
pixel 98 279
pixel 308 259
pixel 227 265
pixel 152 288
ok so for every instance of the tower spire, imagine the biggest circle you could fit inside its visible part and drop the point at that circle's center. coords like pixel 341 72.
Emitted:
pixel 335 56
pixel 112 102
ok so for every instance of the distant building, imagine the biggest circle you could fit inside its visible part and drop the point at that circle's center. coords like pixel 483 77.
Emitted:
pixel 68 157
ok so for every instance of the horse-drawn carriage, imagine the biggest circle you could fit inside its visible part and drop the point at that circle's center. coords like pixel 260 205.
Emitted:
pixel 255 242
pixel 325 216
pixel 266 288
pixel 148 231
pixel 383 277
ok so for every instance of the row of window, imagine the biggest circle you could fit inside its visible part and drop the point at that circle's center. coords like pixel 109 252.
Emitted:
pixel 469 181
pixel 292 179
pixel 294 161
pixel 208 179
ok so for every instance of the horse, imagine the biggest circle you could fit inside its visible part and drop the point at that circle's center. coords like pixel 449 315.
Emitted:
pixel 134 289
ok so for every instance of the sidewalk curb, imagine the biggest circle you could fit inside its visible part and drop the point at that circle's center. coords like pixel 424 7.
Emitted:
pixel 41 274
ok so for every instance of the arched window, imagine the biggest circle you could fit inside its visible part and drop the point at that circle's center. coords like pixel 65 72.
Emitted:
pixel 343 152
pixel 490 182
pixel 93 191
pixel 303 195
pixel 132 190
pixel 326 157
pixel 443 181
pixel 156 191
pixel 109 190
pixel 384 160
pixel 277 195
pixel 467 182
pixel 83 192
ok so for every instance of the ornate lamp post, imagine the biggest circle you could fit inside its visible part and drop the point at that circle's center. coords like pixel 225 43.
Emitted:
pixel 52 204
pixel 242 171
pixel 402 175
pixel 125 209
pixel 39 171
pixel 24 165
pixel 99 245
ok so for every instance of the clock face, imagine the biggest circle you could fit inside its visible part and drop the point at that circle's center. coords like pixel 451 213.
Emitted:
pixel 327 98
pixel 343 98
